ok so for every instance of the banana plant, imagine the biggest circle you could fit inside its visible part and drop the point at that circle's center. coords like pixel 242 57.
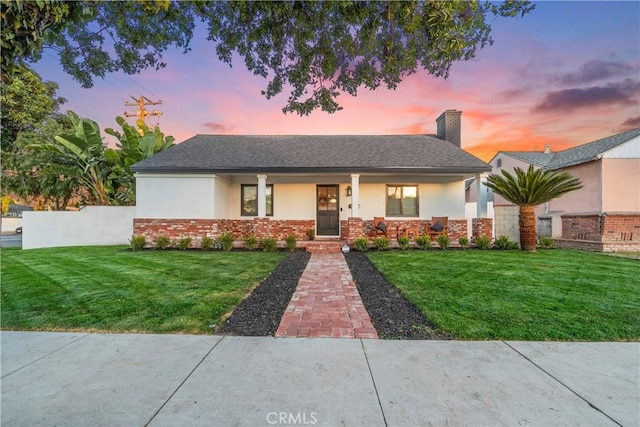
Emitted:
pixel 84 152
pixel 134 145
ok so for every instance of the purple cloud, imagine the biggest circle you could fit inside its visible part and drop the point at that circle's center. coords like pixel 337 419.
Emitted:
pixel 621 93
pixel 596 70
pixel 631 123
pixel 216 127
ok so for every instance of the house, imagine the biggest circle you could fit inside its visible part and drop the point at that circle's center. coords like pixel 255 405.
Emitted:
pixel 332 185
pixel 605 214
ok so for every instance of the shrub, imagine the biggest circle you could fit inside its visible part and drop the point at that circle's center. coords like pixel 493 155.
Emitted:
pixel 361 244
pixel 162 242
pixel 443 241
pixel 269 244
pixel 290 242
pixel 423 242
pixel 6 201
pixel 382 243
pixel 184 243
pixel 206 243
pixel 483 242
pixel 311 234
pixel 403 242
pixel 225 241
pixel 251 242
pixel 463 242
pixel 503 242
pixel 138 242
pixel 546 243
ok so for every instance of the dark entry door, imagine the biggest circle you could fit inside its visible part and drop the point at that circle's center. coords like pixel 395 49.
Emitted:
pixel 328 210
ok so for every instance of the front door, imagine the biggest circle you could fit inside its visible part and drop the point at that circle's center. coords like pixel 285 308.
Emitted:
pixel 328 210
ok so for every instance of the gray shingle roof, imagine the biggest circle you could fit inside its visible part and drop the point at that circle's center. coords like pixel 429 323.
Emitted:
pixel 313 153
pixel 576 155
pixel 532 157
pixel 590 151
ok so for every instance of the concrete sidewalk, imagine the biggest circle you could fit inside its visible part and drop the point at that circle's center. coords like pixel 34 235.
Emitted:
pixel 80 379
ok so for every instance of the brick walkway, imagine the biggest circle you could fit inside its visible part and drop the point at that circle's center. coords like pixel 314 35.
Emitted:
pixel 326 303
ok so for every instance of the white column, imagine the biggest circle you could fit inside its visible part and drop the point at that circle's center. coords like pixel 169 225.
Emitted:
pixel 262 196
pixel 481 190
pixel 355 195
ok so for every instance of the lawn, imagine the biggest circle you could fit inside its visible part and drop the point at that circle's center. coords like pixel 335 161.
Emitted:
pixel 513 295
pixel 114 289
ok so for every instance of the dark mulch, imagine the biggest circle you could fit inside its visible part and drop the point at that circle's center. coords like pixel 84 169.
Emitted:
pixel 393 316
pixel 259 314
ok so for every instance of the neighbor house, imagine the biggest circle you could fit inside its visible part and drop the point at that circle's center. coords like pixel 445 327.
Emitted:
pixel 331 186
pixel 603 215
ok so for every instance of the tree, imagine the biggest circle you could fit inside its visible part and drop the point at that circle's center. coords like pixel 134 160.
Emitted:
pixel 317 50
pixel 26 102
pixel 135 145
pixel 529 189
pixel 41 178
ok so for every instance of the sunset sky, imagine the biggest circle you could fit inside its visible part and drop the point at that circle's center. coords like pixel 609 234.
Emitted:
pixel 566 74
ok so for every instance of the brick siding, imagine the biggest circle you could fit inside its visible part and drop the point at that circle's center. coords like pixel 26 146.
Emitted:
pixel 480 226
pixel 196 229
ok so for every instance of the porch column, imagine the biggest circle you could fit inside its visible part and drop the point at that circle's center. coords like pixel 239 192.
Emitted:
pixel 481 190
pixel 262 196
pixel 355 195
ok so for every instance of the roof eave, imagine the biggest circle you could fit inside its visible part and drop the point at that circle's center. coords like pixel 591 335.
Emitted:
pixel 410 170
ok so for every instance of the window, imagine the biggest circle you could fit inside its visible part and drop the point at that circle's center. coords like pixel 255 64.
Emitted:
pixel 402 200
pixel 249 200
pixel 499 163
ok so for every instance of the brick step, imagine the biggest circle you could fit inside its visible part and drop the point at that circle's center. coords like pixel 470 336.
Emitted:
pixel 326 247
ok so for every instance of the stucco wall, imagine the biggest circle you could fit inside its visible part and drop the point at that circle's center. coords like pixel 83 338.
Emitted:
pixel 180 196
pixel 621 185
pixel 92 225
pixel 588 198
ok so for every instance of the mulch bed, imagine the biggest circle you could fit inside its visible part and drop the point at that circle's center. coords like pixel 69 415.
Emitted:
pixel 259 314
pixel 393 316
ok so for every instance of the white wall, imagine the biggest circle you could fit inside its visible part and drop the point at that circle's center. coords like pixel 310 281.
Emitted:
pixel 10 223
pixel 92 225
pixel 175 196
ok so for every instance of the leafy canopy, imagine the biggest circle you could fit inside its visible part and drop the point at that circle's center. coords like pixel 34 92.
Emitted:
pixel 533 187
pixel 315 50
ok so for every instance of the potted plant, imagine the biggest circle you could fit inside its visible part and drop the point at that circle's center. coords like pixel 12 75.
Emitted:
pixel 311 234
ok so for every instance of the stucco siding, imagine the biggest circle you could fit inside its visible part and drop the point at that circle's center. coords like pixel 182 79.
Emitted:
pixel 628 150
pixel 221 207
pixel 588 198
pixel 621 185
pixel 294 201
pixel 180 196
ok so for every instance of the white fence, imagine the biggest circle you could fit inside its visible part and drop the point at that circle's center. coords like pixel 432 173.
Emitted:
pixel 471 211
pixel 92 225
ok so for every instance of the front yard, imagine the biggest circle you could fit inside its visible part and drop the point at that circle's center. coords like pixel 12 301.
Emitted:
pixel 472 294
pixel 113 289
pixel 512 295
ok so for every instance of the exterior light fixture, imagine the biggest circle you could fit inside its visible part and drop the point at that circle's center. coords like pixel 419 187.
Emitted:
pixel 349 190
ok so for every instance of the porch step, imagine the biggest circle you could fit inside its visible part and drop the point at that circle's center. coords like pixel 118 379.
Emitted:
pixel 325 247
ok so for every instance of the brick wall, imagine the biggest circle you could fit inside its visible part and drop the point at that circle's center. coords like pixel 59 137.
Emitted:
pixel 480 226
pixel 196 229
pixel 607 227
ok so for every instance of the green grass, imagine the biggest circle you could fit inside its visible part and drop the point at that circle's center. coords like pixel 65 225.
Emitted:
pixel 113 289
pixel 513 295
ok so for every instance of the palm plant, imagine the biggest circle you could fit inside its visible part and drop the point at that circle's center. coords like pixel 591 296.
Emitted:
pixel 529 189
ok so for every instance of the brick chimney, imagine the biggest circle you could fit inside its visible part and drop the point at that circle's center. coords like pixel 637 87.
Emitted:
pixel 449 126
